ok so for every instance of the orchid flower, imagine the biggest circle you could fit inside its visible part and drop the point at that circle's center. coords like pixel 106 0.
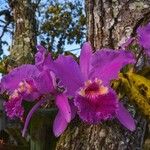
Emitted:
pixel 143 33
pixel 35 83
pixel 89 84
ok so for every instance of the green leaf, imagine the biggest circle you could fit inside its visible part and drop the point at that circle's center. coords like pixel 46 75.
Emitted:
pixel 41 129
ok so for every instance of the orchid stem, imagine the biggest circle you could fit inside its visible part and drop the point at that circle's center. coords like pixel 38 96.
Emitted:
pixel 34 108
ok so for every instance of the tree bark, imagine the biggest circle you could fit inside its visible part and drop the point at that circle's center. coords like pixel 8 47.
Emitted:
pixel 22 52
pixel 24 39
pixel 110 23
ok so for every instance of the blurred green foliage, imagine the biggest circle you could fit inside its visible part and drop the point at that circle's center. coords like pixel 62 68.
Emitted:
pixel 64 23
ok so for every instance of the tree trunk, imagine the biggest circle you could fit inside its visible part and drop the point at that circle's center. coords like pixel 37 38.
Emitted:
pixel 24 40
pixel 23 45
pixel 110 23
pixel 22 52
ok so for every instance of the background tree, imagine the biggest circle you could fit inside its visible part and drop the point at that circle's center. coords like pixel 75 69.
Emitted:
pixel 24 39
pixel 57 23
pixel 109 24
pixel 53 24
pixel 63 22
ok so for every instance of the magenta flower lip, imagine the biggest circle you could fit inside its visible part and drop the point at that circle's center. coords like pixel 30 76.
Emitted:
pixel 89 82
pixel 93 89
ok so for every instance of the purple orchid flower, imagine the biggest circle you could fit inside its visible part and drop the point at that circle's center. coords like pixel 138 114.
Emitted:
pixel 89 83
pixel 35 83
pixel 19 84
pixel 143 34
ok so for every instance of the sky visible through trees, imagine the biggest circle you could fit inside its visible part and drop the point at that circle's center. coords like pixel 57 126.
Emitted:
pixel 74 46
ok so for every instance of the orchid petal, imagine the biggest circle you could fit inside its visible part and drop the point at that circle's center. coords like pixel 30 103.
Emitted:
pixel 144 37
pixel 73 109
pixel 85 58
pixel 30 92
pixel 53 79
pixel 34 108
pixel 147 51
pixel 10 81
pixel 60 124
pixel 40 55
pixel 67 70
pixel 43 59
pixel 125 118
pixel 107 63
pixel 44 82
pixel 64 107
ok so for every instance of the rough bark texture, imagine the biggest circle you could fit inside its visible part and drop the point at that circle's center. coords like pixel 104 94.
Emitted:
pixel 24 40
pixel 109 22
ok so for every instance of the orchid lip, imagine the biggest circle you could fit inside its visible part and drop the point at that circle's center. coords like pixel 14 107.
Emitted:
pixel 93 89
pixel 14 94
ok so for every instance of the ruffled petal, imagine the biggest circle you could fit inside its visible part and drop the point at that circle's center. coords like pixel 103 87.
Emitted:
pixel 10 81
pixel 33 110
pixel 27 90
pixel 60 124
pixel 85 57
pixel 14 108
pixel 63 106
pixel 67 70
pixel 125 118
pixel 107 63
pixel 96 110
